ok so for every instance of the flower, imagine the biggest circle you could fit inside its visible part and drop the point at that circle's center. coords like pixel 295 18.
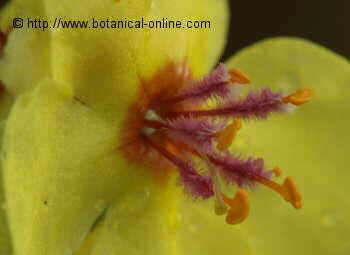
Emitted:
pixel 92 119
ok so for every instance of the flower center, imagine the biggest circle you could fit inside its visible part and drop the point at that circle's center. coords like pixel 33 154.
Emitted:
pixel 188 125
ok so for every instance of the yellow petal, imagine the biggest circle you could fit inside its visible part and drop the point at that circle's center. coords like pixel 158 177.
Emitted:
pixel 61 170
pixel 311 145
pixel 6 102
pixel 5 240
pixel 160 227
pixel 204 233
pixel 26 54
pixel 143 221
pixel 95 62
pixel 25 61
pixel 102 65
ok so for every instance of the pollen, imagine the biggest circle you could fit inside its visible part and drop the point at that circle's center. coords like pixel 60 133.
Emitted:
pixel 299 97
pixel 287 190
pixel 277 171
pixel 239 207
pixel 172 126
pixel 237 76
pixel 228 135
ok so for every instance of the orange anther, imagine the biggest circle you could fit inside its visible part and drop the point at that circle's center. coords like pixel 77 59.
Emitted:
pixel 277 171
pixel 294 197
pixel 287 190
pixel 227 136
pixel 299 97
pixel 172 148
pixel 239 207
pixel 237 76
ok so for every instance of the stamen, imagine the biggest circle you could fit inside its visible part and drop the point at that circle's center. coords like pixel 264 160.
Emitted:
pixel 154 124
pixel 215 85
pixel 220 206
pixel 235 170
pixel 178 147
pixel 239 207
pixel 287 190
pixel 238 76
pixel 299 97
pixel 195 184
pixel 186 134
pixel 173 149
pixel 257 105
pixel 227 136
pixel 194 132
pixel 277 171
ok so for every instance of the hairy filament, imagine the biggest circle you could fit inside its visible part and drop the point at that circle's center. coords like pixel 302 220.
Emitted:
pixel 239 171
pixel 197 185
pixel 215 84
pixel 256 105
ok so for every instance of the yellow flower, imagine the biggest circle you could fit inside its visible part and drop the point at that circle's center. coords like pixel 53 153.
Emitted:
pixel 69 95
